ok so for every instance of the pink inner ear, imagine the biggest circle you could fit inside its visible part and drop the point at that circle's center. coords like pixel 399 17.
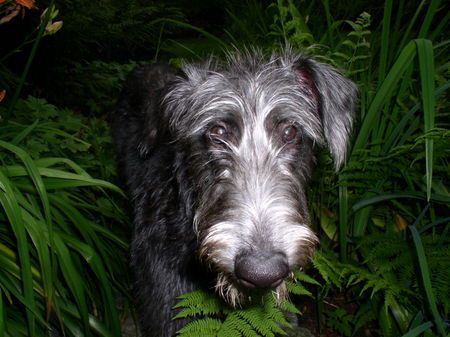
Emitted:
pixel 306 80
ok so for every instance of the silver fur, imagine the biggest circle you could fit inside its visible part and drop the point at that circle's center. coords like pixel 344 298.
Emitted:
pixel 251 188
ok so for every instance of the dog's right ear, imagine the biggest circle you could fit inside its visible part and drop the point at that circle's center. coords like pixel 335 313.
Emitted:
pixel 140 103
pixel 335 95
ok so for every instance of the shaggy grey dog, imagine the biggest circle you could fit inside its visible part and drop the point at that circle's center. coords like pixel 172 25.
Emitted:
pixel 215 158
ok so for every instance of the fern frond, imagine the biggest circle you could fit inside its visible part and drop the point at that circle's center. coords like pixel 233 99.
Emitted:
pixel 272 311
pixel 290 307
pixel 354 51
pixel 327 266
pixel 239 325
pixel 263 316
pixel 300 275
pixel 207 327
pixel 297 288
pixel 198 303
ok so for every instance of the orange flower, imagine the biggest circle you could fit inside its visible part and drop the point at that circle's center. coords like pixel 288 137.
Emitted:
pixel 2 92
pixel 26 3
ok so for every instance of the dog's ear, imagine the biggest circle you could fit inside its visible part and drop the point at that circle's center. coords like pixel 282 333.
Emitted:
pixel 335 96
pixel 139 107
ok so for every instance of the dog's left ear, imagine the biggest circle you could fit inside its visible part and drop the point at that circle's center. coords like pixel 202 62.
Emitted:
pixel 335 96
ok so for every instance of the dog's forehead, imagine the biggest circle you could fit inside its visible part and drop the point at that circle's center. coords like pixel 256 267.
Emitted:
pixel 265 94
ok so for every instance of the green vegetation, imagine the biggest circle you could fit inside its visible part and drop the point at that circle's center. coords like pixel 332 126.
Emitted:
pixel 58 249
pixel 261 317
pixel 383 220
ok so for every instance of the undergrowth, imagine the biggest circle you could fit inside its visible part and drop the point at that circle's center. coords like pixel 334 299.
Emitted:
pixel 383 219
pixel 261 317
pixel 386 212
pixel 61 266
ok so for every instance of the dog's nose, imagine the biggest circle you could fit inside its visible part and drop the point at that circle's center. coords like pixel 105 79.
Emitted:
pixel 261 270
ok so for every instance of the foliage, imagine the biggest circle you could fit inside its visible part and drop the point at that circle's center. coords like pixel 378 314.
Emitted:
pixel 389 276
pixel 93 87
pixel 381 190
pixel 291 24
pixel 58 255
pixel 261 317
pixel 45 27
pixel 43 130
pixel 385 214
pixel 353 53
pixel 400 138
pixel 110 30
pixel 340 320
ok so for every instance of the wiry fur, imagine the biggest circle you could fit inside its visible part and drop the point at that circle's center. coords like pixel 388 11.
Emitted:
pixel 202 201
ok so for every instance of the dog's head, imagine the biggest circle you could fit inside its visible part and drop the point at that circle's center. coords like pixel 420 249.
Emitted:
pixel 246 129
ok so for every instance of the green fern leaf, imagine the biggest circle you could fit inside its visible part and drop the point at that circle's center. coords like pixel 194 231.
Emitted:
pixel 205 327
pixel 240 326
pixel 297 288
pixel 303 277
pixel 198 303
pixel 290 307
pixel 259 321
pixel 327 266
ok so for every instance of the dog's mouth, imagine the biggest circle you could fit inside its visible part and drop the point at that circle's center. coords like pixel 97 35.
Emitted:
pixel 237 292
pixel 254 274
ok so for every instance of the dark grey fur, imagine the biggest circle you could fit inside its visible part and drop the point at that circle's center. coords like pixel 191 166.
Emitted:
pixel 215 158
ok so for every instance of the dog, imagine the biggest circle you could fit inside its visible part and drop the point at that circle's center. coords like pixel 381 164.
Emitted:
pixel 215 158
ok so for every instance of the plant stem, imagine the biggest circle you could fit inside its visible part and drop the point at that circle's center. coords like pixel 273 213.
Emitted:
pixel 41 31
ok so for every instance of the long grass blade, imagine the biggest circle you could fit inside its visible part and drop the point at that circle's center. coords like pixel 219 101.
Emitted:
pixel 34 174
pixel 385 40
pixel 93 260
pixel 391 196
pixel 73 278
pixel 24 133
pixel 412 23
pixel 38 231
pixel 12 210
pixel 343 218
pixel 426 67
pixel 326 6
pixel 432 10
pixel 418 330
pixel 388 85
pixel 425 274
pixel 214 38
pixel 66 178
pixel 2 314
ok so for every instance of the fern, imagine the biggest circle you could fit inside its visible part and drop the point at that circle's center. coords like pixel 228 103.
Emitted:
pixel 290 24
pixel 388 274
pixel 198 303
pixel 261 317
pixel 341 321
pixel 353 54
pixel 327 266
pixel 203 327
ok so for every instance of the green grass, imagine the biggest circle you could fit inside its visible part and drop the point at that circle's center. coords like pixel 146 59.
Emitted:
pixel 57 250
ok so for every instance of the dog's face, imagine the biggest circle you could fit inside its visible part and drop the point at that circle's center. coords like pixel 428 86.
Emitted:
pixel 247 131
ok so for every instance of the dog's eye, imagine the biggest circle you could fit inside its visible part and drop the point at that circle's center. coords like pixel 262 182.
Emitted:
pixel 217 134
pixel 289 134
